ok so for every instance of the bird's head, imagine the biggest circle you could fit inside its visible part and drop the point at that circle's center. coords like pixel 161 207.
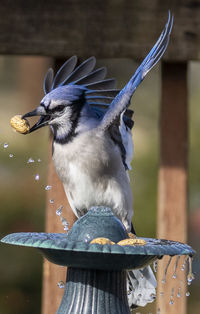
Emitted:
pixel 60 109
pixel 69 95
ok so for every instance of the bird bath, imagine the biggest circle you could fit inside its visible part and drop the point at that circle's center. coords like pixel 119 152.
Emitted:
pixel 96 277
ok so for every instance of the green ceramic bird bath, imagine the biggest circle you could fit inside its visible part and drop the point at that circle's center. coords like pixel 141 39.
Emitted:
pixel 96 276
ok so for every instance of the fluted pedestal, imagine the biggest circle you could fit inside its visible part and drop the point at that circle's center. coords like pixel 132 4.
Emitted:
pixel 94 292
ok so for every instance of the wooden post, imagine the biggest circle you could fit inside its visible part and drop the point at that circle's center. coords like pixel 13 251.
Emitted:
pixel 52 274
pixel 172 181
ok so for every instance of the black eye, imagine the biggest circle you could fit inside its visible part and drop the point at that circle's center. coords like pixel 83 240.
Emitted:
pixel 58 109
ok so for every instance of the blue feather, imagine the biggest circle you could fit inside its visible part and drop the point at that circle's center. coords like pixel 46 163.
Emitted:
pixel 122 100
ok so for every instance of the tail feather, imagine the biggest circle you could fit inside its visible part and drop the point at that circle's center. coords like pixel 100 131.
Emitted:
pixel 141 286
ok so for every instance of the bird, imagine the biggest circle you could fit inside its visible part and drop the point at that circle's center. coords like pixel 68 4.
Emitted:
pixel 92 146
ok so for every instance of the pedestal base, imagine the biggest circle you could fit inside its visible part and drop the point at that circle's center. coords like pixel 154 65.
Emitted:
pixel 94 292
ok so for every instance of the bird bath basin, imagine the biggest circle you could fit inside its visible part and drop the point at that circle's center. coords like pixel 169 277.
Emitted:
pixel 96 277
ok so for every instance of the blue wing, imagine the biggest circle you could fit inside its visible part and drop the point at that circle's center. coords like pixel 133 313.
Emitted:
pixel 122 100
pixel 98 91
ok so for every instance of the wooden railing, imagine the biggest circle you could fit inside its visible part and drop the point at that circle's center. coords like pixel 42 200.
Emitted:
pixel 116 29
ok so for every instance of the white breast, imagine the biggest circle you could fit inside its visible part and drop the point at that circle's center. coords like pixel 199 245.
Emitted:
pixel 92 173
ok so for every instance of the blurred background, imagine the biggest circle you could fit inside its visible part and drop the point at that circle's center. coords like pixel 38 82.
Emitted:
pixel 23 173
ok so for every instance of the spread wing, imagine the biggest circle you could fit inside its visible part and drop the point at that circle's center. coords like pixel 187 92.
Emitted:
pixel 98 91
pixel 122 100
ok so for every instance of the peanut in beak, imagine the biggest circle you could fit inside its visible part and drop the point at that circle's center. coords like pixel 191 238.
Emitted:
pixel 20 125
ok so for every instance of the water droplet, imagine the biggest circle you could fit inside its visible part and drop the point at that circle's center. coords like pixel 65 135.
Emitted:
pixel 11 155
pixel 37 177
pixel 30 160
pixel 61 284
pixel 64 221
pixel 155 266
pixel 187 294
pixel 166 268
pixel 39 160
pixel 184 264
pixel 5 145
pixel 51 201
pixel 59 210
pixel 48 187
pixel 175 266
pixel 183 267
pixel 179 292
pixel 190 276
pixel 171 301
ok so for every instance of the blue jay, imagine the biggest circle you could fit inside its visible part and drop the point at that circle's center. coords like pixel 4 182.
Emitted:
pixel 92 142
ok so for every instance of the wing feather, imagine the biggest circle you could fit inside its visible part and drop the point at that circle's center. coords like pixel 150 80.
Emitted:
pixel 122 100
pixel 105 84
pixel 64 71
pixel 83 69
pixel 94 76
pixel 106 92
pixel 48 80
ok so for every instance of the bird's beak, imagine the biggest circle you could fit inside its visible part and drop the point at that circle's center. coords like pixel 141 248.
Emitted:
pixel 43 120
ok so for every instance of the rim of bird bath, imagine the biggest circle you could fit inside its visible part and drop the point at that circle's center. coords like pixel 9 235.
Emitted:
pixel 96 279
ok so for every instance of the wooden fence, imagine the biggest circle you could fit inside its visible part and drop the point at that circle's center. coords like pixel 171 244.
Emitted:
pixel 119 29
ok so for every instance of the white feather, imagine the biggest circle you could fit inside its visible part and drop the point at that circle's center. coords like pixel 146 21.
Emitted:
pixel 141 286
pixel 92 173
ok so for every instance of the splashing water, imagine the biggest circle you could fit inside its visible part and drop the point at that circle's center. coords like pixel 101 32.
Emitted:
pixel 39 160
pixel 175 266
pixel 166 269
pixel 184 263
pixel 190 276
pixel 64 223
pixel 187 294
pixel 5 145
pixel 179 292
pixel 66 228
pixel 30 160
pixel 171 301
pixel 155 266
pixel 59 210
pixel 61 284
pixel 11 155
pixel 48 187
pixel 37 177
